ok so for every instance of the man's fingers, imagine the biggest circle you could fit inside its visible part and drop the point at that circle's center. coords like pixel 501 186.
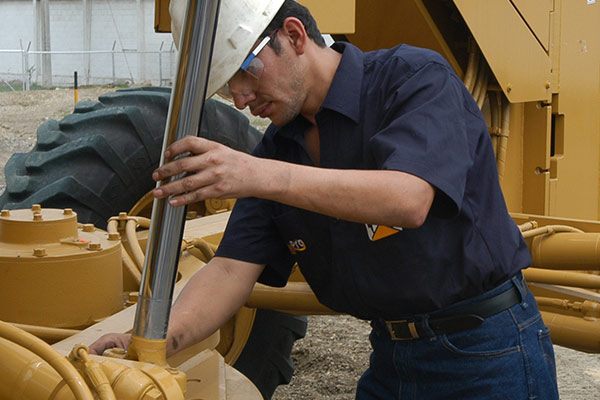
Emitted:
pixel 191 144
pixel 187 184
pixel 109 341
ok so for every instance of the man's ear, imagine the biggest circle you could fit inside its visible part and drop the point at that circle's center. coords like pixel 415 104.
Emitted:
pixel 296 34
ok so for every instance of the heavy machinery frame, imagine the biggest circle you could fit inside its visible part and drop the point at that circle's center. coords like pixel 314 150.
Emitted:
pixel 534 69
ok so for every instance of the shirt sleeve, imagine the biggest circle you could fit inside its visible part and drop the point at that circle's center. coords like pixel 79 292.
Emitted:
pixel 423 133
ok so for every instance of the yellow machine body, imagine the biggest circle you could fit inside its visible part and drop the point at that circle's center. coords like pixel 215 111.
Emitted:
pixel 533 66
pixel 55 273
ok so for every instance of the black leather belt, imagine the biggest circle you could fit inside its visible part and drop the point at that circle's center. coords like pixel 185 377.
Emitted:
pixel 460 319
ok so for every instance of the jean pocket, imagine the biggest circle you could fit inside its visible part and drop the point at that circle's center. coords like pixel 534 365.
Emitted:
pixel 546 348
pixel 496 337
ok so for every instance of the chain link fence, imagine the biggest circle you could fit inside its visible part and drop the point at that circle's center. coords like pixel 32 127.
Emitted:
pixel 42 69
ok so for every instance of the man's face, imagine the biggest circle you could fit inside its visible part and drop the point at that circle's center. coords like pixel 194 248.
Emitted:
pixel 279 92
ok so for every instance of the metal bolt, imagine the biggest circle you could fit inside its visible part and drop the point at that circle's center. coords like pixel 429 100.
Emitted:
pixel 68 211
pixel 37 216
pixel 114 236
pixel 191 215
pixel 509 88
pixel 36 208
pixel 547 85
pixel 5 213
pixel 88 228
pixel 122 215
pixel 94 246
pixel 41 252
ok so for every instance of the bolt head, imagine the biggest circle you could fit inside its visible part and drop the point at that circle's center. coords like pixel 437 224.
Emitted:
pixel 94 246
pixel 114 236
pixel 88 228
pixel 39 252
pixel 5 213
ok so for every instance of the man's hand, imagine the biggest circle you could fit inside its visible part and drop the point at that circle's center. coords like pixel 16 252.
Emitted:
pixel 109 341
pixel 214 171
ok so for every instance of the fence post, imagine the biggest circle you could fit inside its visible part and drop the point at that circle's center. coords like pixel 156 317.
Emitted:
pixel 160 74
pixel 28 85
pixel 114 78
pixel 23 70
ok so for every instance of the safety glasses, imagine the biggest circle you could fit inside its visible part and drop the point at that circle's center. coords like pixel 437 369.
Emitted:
pixel 251 71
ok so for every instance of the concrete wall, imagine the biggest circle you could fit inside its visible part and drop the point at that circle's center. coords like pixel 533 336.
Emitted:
pixel 129 23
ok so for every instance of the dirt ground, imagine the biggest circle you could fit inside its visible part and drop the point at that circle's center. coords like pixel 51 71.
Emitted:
pixel 335 352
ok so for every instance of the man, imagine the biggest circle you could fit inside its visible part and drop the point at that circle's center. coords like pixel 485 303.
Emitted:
pixel 377 176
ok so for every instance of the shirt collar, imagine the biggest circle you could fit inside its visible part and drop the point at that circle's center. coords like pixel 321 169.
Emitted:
pixel 345 90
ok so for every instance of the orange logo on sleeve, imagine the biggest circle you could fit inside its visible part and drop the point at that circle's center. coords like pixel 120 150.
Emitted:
pixel 377 232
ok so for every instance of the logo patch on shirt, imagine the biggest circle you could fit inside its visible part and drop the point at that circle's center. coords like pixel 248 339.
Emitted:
pixel 377 232
pixel 296 246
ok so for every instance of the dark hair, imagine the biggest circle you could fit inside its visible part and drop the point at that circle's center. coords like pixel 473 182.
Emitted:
pixel 291 8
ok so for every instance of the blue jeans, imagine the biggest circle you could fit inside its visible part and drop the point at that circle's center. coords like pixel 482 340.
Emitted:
pixel 509 356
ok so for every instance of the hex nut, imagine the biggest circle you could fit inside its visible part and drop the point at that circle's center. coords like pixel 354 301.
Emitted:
pixel 39 252
pixel 68 211
pixel 37 216
pixel 94 246
pixel 114 236
pixel 5 213
pixel 36 208
pixel 88 228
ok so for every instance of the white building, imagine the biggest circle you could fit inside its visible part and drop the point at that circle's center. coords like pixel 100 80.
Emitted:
pixel 78 26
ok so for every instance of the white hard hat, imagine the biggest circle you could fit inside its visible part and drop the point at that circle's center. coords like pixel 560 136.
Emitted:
pixel 240 24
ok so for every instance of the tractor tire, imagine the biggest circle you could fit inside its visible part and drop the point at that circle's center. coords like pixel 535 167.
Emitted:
pixel 98 161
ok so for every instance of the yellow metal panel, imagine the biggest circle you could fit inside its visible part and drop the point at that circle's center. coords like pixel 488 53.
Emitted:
pixel 512 186
pixel 333 16
pixel 518 61
pixel 387 23
pixel 576 191
pixel 536 161
pixel 536 14
pixel 162 18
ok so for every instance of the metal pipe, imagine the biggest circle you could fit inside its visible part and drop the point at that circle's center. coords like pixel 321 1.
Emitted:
pixel 563 278
pixel 570 251
pixel 185 112
pixel 47 334
pixel 295 298
pixel 549 230
pixel 43 350
pixel 574 332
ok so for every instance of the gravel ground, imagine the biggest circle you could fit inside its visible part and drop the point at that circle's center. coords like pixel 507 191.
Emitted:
pixel 335 352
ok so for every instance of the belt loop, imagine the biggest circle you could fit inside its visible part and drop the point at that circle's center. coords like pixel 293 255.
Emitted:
pixel 519 282
pixel 426 327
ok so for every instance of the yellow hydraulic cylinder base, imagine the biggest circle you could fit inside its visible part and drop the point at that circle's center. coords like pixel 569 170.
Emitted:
pixel 56 273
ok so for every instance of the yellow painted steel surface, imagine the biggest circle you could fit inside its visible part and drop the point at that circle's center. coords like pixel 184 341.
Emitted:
pixel 387 23
pixel 333 16
pixel 54 273
pixel 575 166
pixel 536 15
pixel 520 64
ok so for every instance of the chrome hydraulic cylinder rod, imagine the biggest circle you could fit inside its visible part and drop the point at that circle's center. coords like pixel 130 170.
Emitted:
pixel 185 112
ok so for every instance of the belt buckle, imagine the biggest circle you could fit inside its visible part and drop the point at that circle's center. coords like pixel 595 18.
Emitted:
pixel 412 330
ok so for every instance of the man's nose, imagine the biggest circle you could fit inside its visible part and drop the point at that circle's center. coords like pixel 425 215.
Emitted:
pixel 241 99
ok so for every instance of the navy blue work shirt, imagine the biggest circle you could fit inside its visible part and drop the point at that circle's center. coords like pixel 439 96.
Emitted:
pixel 397 109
